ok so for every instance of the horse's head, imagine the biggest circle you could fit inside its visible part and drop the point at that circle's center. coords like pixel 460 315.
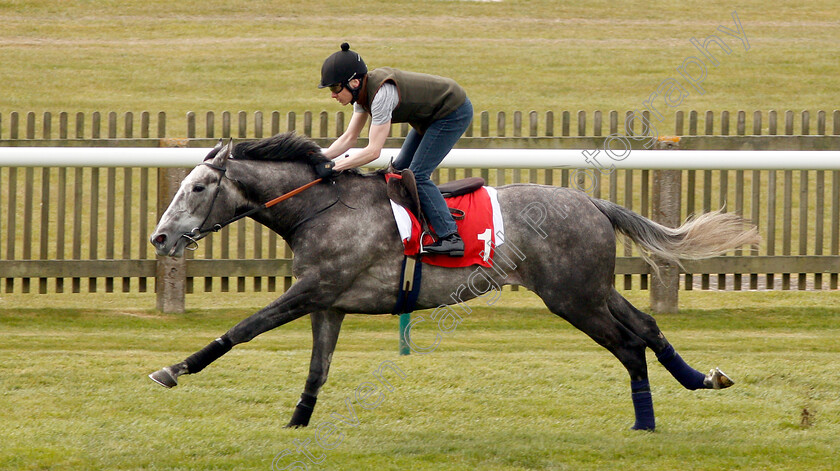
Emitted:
pixel 198 205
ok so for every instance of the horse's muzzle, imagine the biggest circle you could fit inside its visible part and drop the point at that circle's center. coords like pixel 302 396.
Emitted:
pixel 165 246
pixel 158 240
pixel 187 241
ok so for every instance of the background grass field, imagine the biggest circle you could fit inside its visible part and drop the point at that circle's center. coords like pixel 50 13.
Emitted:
pixel 510 55
pixel 513 388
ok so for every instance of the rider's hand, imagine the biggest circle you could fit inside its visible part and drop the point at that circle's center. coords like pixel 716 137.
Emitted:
pixel 325 170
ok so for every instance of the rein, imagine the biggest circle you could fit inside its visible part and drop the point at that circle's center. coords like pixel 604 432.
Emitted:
pixel 198 233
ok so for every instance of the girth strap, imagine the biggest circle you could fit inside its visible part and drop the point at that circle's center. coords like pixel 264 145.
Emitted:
pixel 410 279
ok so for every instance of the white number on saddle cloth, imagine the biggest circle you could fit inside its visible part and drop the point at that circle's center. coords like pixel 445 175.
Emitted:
pixel 487 238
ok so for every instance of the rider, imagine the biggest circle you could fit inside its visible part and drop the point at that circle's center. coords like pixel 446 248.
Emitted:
pixel 437 109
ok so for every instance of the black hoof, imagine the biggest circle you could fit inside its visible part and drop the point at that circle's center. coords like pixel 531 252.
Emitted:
pixel 303 411
pixel 164 377
pixel 291 425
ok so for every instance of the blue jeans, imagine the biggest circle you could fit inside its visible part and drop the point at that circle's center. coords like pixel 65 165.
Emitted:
pixel 423 153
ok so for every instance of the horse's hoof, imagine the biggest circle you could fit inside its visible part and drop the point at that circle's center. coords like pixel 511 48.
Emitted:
pixel 717 379
pixel 164 377
pixel 291 425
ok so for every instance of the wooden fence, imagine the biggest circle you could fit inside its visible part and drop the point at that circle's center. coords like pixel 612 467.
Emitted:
pixel 86 229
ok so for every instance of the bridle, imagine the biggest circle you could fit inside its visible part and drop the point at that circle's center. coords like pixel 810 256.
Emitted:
pixel 198 232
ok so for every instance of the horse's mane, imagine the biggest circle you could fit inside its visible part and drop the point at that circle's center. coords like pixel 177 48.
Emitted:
pixel 285 147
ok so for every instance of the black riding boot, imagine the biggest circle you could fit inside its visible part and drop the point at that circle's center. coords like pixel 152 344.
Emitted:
pixel 451 245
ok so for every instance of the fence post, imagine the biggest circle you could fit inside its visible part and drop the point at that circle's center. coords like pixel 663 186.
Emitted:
pixel 667 189
pixel 170 272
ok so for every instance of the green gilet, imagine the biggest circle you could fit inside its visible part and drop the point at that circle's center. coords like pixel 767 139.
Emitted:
pixel 424 98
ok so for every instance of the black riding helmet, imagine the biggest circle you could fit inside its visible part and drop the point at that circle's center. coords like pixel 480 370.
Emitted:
pixel 342 67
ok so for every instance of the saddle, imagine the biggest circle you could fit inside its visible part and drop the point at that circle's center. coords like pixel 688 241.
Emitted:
pixel 402 189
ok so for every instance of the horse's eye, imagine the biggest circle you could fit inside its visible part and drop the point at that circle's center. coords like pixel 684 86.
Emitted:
pixel 198 188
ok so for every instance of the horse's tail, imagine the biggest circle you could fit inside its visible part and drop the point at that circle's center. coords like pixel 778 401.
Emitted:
pixel 703 236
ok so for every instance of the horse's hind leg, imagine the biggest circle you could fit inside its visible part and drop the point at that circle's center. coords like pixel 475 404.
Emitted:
pixel 325 328
pixel 644 326
pixel 599 324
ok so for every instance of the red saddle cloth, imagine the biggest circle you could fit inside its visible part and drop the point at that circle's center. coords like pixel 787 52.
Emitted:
pixel 482 229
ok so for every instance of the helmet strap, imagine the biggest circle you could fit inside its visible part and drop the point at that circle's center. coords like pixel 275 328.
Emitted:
pixel 355 91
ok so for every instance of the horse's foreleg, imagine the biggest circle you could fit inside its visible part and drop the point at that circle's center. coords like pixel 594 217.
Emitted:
pixel 295 303
pixel 325 328
pixel 599 324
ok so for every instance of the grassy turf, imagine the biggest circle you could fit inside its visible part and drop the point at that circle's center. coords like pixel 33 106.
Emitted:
pixel 513 388
pixel 510 55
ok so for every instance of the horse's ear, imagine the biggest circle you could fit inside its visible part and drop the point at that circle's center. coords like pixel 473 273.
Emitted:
pixel 222 157
pixel 215 150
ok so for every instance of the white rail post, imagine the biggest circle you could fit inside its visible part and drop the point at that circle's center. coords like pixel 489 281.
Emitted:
pixel 170 272
pixel 667 191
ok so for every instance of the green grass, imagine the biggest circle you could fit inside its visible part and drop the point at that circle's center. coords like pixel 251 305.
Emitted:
pixel 510 55
pixel 514 388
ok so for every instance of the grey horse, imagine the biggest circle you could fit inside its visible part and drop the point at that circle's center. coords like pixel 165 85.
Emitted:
pixel 558 242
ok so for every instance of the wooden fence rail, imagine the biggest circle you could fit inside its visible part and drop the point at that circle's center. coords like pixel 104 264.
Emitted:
pixel 547 124
pixel 86 229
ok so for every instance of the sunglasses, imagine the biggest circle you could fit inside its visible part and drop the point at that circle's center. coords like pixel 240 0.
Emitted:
pixel 337 88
